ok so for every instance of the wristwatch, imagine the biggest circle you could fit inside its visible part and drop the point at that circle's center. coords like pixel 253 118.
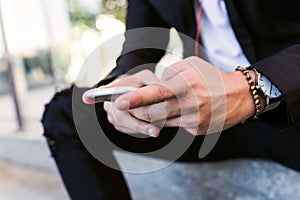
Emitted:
pixel 268 91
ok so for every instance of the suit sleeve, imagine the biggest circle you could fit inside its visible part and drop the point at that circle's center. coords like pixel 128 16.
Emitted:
pixel 283 70
pixel 146 37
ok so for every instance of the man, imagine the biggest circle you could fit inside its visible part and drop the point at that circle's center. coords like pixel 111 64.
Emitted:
pixel 264 36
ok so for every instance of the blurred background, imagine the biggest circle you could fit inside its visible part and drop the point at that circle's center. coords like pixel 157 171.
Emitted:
pixel 43 45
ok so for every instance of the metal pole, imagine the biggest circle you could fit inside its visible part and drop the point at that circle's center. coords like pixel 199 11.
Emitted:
pixel 49 31
pixel 11 62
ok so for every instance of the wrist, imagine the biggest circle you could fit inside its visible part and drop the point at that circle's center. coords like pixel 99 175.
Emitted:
pixel 253 91
pixel 248 107
pixel 261 97
pixel 239 100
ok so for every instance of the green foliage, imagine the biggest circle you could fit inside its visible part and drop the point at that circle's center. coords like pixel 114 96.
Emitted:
pixel 115 7
pixel 80 17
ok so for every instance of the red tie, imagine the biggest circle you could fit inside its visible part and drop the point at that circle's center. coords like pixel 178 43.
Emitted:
pixel 197 38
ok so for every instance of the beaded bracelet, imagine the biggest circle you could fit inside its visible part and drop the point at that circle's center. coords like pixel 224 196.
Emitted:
pixel 253 90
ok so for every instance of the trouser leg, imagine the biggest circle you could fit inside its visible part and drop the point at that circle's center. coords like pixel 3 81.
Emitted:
pixel 84 176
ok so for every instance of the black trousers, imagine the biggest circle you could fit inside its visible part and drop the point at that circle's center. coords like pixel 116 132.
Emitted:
pixel 87 178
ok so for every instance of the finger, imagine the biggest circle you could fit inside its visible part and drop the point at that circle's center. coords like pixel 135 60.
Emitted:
pixel 147 95
pixel 194 131
pixel 144 127
pixel 110 119
pixel 136 126
pixel 172 71
pixel 154 93
pixel 145 77
pixel 158 112
pixel 117 82
pixel 173 122
pixel 131 125
pixel 139 79
pixel 178 122
pixel 186 121
pixel 108 106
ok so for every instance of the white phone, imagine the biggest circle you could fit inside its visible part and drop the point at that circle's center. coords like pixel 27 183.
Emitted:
pixel 98 95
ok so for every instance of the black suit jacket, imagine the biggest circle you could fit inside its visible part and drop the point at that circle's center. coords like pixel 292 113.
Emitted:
pixel 269 34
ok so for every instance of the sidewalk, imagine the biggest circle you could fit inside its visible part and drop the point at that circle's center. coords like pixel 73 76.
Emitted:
pixel 34 106
pixel 26 169
pixel 34 175
pixel 21 183
pixel 13 142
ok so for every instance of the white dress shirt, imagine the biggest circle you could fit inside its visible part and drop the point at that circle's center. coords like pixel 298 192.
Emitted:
pixel 218 37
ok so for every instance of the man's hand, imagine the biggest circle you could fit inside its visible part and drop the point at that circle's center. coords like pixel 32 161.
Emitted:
pixel 122 120
pixel 192 94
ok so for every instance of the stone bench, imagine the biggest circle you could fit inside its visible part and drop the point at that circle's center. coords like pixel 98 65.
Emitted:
pixel 225 180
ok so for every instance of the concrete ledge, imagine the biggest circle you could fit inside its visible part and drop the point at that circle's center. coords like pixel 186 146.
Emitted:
pixel 230 180
pixel 226 180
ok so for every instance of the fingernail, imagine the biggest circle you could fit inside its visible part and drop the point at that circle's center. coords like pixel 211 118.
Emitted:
pixel 123 104
pixel 151 132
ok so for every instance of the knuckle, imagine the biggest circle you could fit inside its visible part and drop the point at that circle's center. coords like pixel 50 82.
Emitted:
pixel 160 111
pixel 116 127
pixel 115 82
pixel 147 72
pixel 162 92
pixel 168 71
pixel 109 119
pixel 147 116
pixel 152 111
pixel 135 99
pixel 105 106
pixel 201 132
pixel 137 113
pixel 190 122
pixel 140 129
pixel 108 106
pixel 192 131
pixel 193 58
pixel 170 123
pixel 172 112
pixel 119 128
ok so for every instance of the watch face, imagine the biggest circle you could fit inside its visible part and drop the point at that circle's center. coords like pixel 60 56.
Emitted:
pixel 268 88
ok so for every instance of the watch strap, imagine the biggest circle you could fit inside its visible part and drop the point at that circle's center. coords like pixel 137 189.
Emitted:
pixel 270 103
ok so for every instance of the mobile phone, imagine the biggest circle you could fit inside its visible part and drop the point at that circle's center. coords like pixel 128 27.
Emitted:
pixel 98 95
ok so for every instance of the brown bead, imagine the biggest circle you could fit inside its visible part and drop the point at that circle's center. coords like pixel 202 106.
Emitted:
pixel 258 106
pixel 254 91
pixel 258 110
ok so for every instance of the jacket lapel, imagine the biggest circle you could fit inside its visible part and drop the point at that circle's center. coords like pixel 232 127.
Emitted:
pixel 178 13
pixel 188 18
pixel 241 31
